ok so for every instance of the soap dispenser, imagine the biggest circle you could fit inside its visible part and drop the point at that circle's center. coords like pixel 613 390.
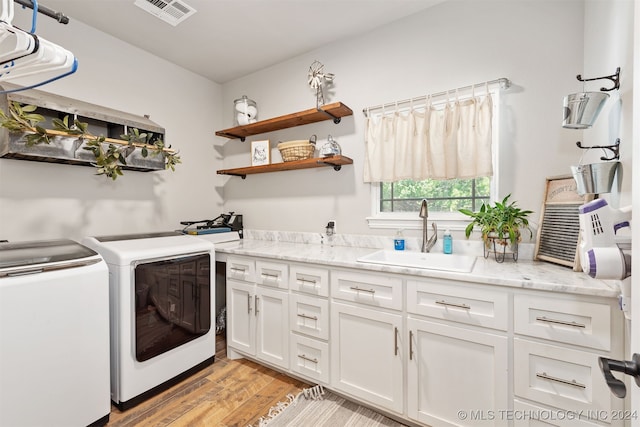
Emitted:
pixel 447 242
pixel 398 242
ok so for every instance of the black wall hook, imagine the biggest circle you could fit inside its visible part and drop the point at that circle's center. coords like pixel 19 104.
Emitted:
pixel 615 148
pixel 615 78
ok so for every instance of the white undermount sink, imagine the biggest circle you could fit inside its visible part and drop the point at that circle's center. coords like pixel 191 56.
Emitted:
pixel 429 261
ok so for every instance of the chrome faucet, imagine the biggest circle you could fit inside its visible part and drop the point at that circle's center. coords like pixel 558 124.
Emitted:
pixel 427 243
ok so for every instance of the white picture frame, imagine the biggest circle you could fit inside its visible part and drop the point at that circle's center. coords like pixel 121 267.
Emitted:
pixel 260 153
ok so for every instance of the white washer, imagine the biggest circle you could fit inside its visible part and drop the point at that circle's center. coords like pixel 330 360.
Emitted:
pixel 54 335
pixel 167 300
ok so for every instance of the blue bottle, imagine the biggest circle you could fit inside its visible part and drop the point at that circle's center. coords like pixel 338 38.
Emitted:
pixel 447 242
pixel 398 242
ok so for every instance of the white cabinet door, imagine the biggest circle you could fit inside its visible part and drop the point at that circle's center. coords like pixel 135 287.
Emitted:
pixel 272 310
pixel 241 318
pixel 454 369
pixel 367 354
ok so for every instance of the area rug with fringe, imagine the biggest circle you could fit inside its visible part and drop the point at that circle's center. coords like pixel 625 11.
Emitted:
pixel 318 407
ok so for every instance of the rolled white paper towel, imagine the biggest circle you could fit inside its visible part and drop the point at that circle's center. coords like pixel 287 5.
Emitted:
pixel 242 119
pixel 252 111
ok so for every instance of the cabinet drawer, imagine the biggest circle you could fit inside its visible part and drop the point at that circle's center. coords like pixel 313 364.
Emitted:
pixel 309 316
pixel 561 377
pixel 370 289
pixel 310 358
pixel 272 274
pixel 310 280
pixel 526 415
pixel 475 305
pixel 566 321
pixel 241 269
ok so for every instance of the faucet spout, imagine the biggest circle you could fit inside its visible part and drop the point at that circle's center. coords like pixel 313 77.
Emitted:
pixel 427 243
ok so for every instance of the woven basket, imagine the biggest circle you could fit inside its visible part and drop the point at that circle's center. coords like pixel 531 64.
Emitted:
pixel 296 150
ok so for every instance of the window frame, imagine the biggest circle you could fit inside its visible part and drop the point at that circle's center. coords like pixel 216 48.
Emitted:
pixel 454 221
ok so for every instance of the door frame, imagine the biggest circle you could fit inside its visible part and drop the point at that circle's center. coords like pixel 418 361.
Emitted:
pixel 634 343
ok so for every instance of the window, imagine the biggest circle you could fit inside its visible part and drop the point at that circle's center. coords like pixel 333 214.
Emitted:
pixel 396 204
pixel 443 196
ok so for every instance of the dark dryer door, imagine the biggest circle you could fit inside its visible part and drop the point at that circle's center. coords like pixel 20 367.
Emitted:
pixel 173 303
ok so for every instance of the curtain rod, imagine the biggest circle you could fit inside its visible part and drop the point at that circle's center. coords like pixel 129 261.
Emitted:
pixel 504 84
pixel 61 18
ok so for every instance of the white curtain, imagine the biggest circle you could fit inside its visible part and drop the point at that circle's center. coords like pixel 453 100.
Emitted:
pixel 433 142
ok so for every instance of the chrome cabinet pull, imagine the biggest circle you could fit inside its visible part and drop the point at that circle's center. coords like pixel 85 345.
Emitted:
pixel 304 282
pixel 561 322
pixel 572 383
pixel 452 304
pixel 256 299
pixel 304 357
pixel 237 270
pixel 248 303
pixel 410 345
pixel 358 289
pixel 395 341
pixel 270 276
pixel 307 317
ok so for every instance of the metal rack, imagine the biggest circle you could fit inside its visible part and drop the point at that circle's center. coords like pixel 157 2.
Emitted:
pixel 503 83
pixel 58 16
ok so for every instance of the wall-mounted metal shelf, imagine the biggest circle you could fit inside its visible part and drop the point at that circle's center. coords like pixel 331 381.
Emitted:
pixel 317 162
pixel 334 111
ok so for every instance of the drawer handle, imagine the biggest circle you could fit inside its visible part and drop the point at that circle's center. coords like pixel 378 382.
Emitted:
pixel 304 282
pixel 358 289
pixel 572 383
pixel 304 357
pixel 560 322
pixel 452 304
pixel 304 316
pixel 237 270
pixel 270 276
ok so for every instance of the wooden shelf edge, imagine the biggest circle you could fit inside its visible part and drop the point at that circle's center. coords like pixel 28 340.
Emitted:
pixel 316 162
pixel 334 111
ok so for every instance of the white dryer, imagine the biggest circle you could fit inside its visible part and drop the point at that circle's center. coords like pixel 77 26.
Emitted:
pixel 162 320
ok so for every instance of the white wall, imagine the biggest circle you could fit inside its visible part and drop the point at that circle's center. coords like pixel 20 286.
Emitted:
pixel 608 44
pixel 536 44
pixel 46 201
pixel 539 45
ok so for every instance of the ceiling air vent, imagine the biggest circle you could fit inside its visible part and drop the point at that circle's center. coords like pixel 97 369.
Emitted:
pixel 171 11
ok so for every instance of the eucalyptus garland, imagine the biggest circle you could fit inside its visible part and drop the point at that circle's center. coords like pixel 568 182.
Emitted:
pixel 109 159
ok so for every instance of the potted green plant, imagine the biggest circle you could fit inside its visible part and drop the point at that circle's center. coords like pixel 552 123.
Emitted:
pixel 501 225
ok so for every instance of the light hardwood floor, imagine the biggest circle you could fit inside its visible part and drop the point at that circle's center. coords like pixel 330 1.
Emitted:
pixel 229 393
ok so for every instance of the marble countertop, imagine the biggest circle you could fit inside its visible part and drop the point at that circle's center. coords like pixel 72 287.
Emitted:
pixel 521 274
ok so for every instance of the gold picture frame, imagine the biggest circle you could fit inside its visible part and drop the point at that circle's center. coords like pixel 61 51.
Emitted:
pixel 260 153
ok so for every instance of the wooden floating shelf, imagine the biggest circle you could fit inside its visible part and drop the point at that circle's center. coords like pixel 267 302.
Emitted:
pixel 332 111
pixel 316 162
